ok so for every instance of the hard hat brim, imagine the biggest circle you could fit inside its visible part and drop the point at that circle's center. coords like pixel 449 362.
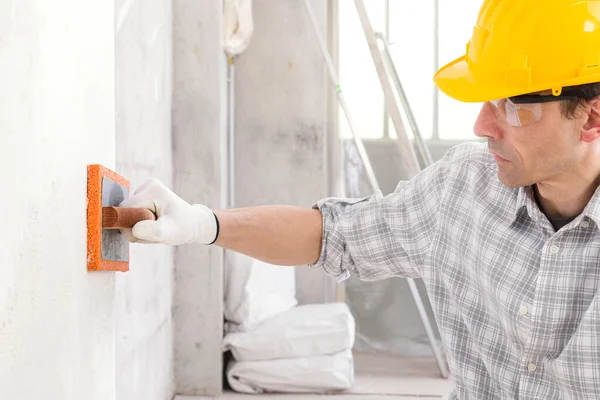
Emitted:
pixel 457 81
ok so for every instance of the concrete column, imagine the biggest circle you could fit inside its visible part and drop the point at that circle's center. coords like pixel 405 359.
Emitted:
pixel 281 119
pixel 199 126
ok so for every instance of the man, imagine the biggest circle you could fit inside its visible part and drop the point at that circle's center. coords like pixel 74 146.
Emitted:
pixel 506 236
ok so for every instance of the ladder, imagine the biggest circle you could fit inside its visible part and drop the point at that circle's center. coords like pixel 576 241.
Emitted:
pixel 384 65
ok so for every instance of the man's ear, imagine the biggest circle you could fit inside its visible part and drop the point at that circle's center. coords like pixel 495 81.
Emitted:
pixel 590 132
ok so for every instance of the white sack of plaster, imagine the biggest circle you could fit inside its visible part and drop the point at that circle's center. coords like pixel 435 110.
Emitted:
pixel 255 291
pixel 321 374
pixel 303 331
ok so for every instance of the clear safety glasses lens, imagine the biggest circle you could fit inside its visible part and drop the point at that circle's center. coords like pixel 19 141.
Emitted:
pixel 517 114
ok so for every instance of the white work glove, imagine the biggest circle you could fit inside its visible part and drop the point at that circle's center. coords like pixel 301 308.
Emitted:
pixel 177 221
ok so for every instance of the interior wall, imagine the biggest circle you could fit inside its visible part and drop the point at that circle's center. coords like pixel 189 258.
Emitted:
pixel 281 120
pixel 144 295
pixel 199 128
pixel 57 102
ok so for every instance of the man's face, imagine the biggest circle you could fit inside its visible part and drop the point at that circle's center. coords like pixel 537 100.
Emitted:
pixel 535 152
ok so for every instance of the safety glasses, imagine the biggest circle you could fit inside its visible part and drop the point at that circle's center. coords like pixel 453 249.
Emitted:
pixel 525 109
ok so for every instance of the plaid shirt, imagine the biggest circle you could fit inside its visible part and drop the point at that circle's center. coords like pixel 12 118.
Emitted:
pixel 515 301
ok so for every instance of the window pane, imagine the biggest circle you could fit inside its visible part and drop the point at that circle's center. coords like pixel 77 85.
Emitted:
pixel 357 74
pixel 456 119
pixel 411 32
pixel 456 22
pixel 412 37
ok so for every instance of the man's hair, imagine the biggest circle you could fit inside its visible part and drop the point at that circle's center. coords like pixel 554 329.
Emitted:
pixel 585 93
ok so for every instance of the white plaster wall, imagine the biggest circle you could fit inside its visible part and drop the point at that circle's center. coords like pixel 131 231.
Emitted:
pixel 56 116
pixel 144 295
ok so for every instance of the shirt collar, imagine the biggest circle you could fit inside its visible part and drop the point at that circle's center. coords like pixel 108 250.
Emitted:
pixel 592 209
pixel 526 200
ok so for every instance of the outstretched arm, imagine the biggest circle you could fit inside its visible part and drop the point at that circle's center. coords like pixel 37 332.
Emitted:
pixel 280 235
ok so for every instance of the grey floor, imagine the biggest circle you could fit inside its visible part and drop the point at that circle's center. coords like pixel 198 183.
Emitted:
pixel 376 378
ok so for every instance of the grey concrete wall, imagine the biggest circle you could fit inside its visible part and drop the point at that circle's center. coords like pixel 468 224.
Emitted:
pixel 144 295
pixel 199 123
pixel 281 119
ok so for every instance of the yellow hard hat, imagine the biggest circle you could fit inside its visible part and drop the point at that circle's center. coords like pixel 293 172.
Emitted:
pixel 526 46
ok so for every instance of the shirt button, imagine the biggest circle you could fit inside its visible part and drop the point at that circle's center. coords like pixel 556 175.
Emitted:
pixel 554 249
pixel 531 367
pixel 523 310
pixel 585 224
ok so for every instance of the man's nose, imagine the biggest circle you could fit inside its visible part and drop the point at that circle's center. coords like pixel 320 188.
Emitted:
pixel 487 124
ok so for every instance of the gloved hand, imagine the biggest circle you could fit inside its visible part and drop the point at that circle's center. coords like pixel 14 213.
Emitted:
pixel 177 221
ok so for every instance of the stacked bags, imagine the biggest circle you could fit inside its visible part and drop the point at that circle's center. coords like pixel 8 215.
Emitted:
pixel 277 345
